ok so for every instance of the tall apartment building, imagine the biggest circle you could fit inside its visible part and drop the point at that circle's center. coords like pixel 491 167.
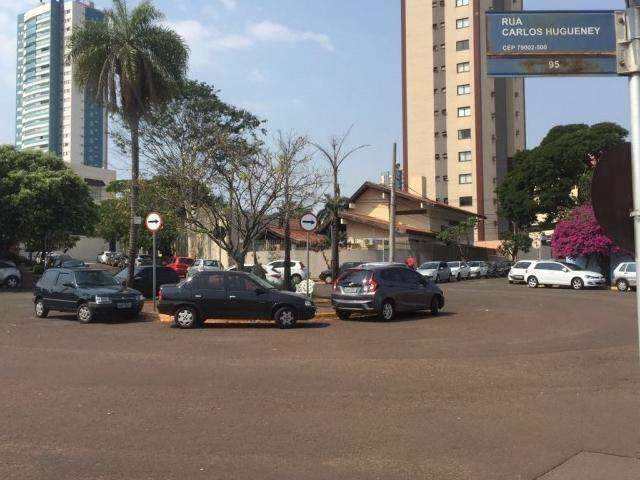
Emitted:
pixel 52 113
pixel 460 127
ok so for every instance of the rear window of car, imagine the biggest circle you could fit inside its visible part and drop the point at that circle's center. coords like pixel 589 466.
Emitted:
pixel 354 277
pixel 186 261
pixel 522 265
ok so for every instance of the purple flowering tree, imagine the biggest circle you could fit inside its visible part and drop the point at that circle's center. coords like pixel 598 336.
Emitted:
pixel 580 234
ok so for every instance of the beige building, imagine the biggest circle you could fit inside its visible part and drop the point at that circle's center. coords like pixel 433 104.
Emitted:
pixel 461 128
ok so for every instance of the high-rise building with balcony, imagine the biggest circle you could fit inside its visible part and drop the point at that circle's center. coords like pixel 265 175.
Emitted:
pixel 461 127
pixel 52 112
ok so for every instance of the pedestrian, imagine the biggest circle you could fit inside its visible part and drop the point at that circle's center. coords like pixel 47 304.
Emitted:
pixel 411 262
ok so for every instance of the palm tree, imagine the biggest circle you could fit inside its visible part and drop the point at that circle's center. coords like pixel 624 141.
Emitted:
pixel 129 62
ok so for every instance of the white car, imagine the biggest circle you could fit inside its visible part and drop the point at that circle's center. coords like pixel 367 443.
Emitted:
pixel 562 274
pixel 624 276
pixel 518 271
pixel 105 256
pixel 10 275
pixel 203 265
pixel 298 270
pixel 459 270
pixel 435 271
pixel 478 269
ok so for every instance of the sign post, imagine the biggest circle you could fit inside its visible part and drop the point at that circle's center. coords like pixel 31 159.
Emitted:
pixel 309 223
pixel 153 222
pixel 556 43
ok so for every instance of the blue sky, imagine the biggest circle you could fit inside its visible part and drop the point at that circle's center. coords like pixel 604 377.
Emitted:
pixel 318 66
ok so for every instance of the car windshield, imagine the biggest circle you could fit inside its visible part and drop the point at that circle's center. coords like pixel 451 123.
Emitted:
pixel 210 263
pixel 475 264
pixel 95 278
pixel 263 283
pixel 572 266
pixel 429 266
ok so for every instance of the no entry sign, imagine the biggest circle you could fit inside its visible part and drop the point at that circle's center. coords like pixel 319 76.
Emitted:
pixel 551 43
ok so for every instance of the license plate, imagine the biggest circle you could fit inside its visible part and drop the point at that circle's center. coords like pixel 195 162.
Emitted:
pixel 350 289
pixel 124 305
pixel 518 277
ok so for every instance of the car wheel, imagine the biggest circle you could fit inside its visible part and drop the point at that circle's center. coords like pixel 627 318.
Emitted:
pixel 532 282
pixel 185 317
pixel 387 311
pixel 622 285
pixel 285 317
pixel 296 279
pixel 41 310
pixel 328 279
pixel 84 313
pixel 435 305
pixel 12 282
pixel 342 315
pixel 577 284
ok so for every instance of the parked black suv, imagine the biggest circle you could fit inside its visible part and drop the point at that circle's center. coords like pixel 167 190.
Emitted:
pixel 231 295
pixel 143 278
pixel 86 292
pixel 384 289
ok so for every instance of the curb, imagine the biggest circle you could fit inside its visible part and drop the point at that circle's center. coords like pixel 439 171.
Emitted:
pixel 158 317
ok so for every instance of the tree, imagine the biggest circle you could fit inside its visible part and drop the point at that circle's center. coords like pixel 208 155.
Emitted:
pixel 215 173
pixel 129 62
pixel 335 155
pixel 42 202
pixel 579 234
pixel 514 243
pixel 113 223
pixel 540 184
pixel 457 234
pixel 301 189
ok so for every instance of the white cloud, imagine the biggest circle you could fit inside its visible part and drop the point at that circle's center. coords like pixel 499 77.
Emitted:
pixel 229 4
pixel 276 32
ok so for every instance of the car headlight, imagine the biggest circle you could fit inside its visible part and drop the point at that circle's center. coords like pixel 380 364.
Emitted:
pixel 308 303
pixel 103 300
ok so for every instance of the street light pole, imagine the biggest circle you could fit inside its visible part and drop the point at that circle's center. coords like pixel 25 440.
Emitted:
pixel 392 209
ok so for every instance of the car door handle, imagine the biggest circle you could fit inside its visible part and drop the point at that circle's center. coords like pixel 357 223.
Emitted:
pixel 197 295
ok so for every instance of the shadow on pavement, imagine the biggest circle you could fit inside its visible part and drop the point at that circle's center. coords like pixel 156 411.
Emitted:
pixel 401 317
pixel 258 324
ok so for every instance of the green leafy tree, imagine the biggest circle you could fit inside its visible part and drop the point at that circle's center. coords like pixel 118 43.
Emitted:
pixel 542 179
pixel 459 234
pixel 514 243
pixel 129 62
pixel 42 202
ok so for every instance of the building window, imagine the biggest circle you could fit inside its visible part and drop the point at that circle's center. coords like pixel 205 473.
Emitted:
pixel 463 67
pixel 464 156
pixel 444 90
pixel 435 48
pixel 445 178
pixel 516 94
pixel 436 134
pixel 464 134
pixel 462 23
pixel 436 113
pixel 462 3
pixel 437 156
pixel 466 201
pixel 445 200
pixel 444 111
pixel 462 45
pixel 464 178
pixel 443 68
pixel 517 133
pixel 435 69
pixel 464 89
pixel 435 26
pixel 444 134
pixel 441 24
pixel 445 156
pixel 464 112
pixel 437 178
pixel 435 91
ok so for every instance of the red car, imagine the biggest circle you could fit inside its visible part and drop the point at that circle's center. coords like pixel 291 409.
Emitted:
pixel 180 265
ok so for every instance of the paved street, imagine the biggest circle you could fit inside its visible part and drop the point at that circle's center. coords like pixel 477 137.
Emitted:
pixel 507 383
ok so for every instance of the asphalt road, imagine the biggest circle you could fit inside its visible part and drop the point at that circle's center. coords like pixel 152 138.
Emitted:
pixel 507 383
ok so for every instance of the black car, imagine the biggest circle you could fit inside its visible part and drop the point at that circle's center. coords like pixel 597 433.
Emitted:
pixel 325 276
pixel 384 289
pixel 86 292
pixel 231 295
pixel 143 278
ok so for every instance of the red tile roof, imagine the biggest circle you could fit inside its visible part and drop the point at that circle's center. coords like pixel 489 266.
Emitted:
pixel 298 236
pixel 384 224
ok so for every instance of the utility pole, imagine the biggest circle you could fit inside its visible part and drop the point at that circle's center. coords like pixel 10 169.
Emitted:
pixel 632 63
pixel 392 208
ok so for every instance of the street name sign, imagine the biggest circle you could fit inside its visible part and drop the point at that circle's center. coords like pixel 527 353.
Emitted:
pixel 153 222
pixel 533 43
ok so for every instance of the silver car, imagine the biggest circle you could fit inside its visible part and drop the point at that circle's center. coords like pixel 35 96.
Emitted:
pixel 459 270
pixel 202 265
pixel 10 276
pixel 478 269
pixel 624 276
pixel 435 271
